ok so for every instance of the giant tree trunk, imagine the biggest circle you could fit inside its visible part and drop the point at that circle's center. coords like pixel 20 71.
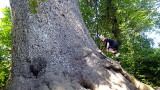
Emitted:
pixel 52 50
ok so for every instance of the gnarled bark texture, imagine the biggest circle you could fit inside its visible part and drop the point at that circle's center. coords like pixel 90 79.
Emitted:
pixel 52 50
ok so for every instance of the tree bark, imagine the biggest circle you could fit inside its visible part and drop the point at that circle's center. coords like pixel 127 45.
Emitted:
pixel 52 50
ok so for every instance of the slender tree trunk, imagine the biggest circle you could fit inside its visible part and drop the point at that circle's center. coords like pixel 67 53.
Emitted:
pixel 52 50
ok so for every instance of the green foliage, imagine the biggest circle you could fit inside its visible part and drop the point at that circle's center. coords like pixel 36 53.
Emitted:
pixel 5 28
pixel 126 22
pixel 5 46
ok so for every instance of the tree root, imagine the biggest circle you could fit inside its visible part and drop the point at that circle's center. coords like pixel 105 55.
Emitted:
pixel 111 64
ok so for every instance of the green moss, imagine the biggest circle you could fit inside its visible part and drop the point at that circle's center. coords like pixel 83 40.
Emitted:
pixel 43 0
pixel 33 4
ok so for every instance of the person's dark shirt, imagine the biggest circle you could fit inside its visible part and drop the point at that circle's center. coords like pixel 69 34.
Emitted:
pixel 111 42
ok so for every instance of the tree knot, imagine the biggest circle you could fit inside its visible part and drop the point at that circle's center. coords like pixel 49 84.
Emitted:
pixel 38 66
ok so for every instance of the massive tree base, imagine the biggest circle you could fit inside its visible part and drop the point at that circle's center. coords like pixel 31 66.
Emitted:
pixel 53 50
pixel 102 74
